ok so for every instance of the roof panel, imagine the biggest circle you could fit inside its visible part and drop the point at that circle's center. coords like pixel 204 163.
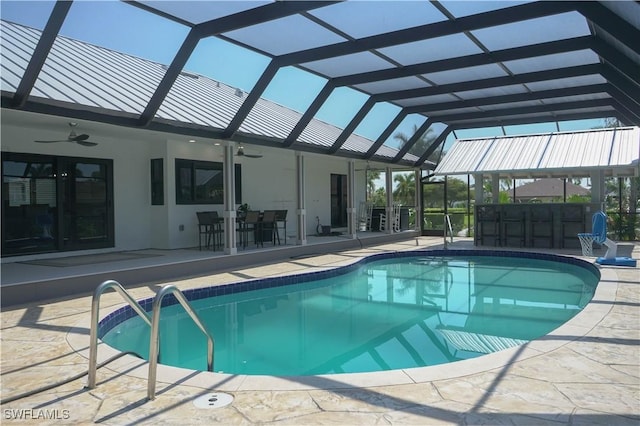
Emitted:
pixel 547 62
pixel 493 91
pixel 426 100
pixel 197 12
pixel 466 74
pixel 348 64
pixel 513 153
pixel 626 146
pixel 533 31
pixel 392 85
pixel 588 97
pixel 432 49
pixel 576 150
pixel 285 35
pixel 464 156
pixel 543 154
pixel 563 83
pixel 507 105
pixel 365 18
pixel 465 8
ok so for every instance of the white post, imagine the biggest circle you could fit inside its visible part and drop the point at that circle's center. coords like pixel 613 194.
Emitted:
pixel 229 200
pixel 301 226
pixel 417 201
pixel 495 188
pixel 478 188
pixel 389 209
pixel 352 229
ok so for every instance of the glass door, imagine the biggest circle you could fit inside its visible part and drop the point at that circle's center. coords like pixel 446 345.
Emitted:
pixel 338 201
pixel 53 203
pixel 86 204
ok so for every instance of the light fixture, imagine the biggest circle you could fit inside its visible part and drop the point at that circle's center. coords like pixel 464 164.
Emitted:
pixel 192 141
pixel 216 143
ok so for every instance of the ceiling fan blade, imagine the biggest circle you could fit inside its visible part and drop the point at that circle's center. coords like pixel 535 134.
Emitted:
pixel 86 143
pixel 82 137
pixel 252 156
pixel 61 140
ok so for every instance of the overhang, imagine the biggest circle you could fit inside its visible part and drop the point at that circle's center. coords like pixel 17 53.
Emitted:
pixel 615 152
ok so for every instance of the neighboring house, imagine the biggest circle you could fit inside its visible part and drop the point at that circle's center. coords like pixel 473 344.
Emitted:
pixel 548 190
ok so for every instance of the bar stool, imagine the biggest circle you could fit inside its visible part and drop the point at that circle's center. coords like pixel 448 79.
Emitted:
pixel 541 226
pixel 487 225
pixel 514 226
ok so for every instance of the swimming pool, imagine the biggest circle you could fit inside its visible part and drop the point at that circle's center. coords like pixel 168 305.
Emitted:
pixel 385 312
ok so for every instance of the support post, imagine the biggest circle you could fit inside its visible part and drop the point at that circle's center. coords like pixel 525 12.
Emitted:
pixel 229 214
pixel 301 234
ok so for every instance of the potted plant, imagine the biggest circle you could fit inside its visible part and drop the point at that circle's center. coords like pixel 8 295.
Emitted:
pixel 242 210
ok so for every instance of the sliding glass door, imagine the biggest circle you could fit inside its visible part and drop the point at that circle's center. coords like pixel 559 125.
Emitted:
pixel 53 203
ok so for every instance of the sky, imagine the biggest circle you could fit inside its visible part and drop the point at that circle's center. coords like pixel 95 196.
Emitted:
pixel 130 30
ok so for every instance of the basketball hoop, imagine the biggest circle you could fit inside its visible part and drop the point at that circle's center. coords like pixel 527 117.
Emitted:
pixel 586 242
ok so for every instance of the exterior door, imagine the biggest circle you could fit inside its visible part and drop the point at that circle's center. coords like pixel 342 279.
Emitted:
pixel 53 203
pixel 338 201
pixel 86 204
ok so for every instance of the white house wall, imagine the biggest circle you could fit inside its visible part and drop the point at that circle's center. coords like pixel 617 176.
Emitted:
pixel 267 182
pixel 133 228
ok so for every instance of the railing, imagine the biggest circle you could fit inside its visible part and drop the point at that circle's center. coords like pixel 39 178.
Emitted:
pixel 154 344
pixel 153 322
pixel 93 336
pixel 447 229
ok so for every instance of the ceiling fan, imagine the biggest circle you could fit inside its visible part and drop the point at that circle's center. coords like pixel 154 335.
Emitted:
pixel 241 153
pixel 73 137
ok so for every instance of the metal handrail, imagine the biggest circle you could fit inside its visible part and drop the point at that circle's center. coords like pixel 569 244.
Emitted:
pixel 93 336
pixel 447 225
pixel 153 322
pixel 154 343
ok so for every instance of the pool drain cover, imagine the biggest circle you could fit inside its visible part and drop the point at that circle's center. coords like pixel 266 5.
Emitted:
pixel 213 400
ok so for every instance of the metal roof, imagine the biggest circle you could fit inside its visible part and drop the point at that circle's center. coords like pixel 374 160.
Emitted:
pixel 464 64
pixel 614 151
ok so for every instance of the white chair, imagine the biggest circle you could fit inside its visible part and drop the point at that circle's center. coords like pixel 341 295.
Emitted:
pixel 383 222
pixel 364 216
pixel 396 217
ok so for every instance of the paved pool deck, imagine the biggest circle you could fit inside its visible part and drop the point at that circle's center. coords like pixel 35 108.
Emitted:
pixel 585 372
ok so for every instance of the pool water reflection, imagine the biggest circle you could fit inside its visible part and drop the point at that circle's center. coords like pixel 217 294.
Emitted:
pixel 394 313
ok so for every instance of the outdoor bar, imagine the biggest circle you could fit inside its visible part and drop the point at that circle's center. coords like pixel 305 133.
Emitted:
pixel 525 221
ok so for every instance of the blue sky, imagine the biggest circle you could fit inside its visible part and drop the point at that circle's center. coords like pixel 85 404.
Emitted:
pixel 130 30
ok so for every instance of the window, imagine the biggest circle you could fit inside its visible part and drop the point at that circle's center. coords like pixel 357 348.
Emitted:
pixel 157 182
pixel 202 182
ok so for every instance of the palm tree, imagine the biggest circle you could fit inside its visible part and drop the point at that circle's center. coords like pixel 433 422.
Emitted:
pixel 421 144
pixel 405 191
pixel 372 176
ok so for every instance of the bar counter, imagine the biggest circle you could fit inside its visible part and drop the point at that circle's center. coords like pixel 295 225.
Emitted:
pixel 544 225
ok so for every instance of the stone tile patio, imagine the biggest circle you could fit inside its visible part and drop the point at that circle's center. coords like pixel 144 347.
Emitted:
pixel 585 372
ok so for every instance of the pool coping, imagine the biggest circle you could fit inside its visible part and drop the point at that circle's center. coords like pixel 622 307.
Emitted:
pixel 167 376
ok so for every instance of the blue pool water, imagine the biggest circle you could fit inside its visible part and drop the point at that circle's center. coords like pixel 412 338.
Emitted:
pixel 387 312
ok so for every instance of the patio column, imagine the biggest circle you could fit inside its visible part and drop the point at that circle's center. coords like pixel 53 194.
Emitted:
pixel 389 209
pixel 478 189
pixel 301 225
pixel 597 188
pixel 418 201
pixel 229 183
pixel 495 188
pixel 351 200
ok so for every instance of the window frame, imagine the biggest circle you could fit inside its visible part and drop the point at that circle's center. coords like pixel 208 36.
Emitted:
pixel 187 193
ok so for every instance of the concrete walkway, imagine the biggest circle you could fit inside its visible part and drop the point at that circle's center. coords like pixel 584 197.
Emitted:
pixel 585 372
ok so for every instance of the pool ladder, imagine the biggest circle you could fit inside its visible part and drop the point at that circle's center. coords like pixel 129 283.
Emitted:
pixel 153 322
pixel 447 226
